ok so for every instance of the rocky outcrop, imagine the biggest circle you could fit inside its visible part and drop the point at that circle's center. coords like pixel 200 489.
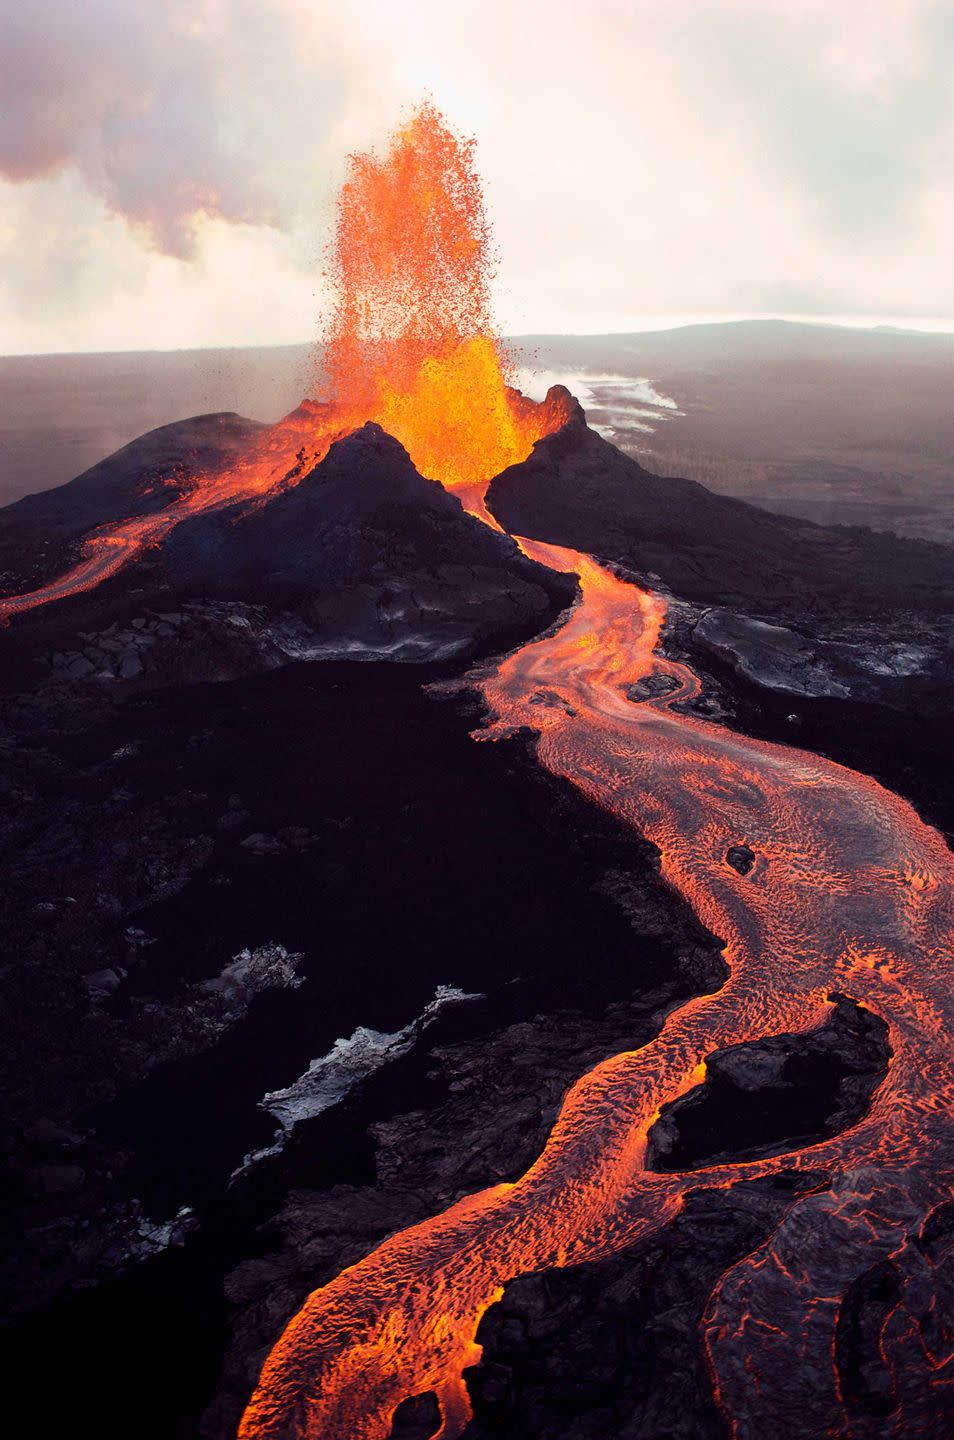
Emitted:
pixel 362 558
pixel 781 659
pixel 577 489
pixel 250 973
pixel 767 654
pixel 369 556
pixel 772 1094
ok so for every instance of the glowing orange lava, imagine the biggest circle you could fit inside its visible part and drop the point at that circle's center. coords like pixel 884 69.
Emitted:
pixel 410 344
pixel 851 893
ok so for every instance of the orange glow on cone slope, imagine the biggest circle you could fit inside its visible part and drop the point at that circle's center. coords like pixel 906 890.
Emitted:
pixel 410 345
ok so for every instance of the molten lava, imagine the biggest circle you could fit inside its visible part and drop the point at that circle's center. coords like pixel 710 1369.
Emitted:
pixel 851 893
pixel 410 344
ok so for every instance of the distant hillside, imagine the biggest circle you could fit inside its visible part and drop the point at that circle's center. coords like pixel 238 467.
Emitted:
pixel 837 425
pixel 60 414
pixel 834 424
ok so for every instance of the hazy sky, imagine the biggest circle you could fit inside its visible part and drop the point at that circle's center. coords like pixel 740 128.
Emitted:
pixel 167 170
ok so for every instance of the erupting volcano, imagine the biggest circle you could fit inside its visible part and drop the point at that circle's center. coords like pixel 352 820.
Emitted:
pixel 845 894
pixel 410 345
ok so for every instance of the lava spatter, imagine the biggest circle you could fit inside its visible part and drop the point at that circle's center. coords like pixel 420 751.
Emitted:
pixel 832 908
pixel 410 344
pixel 852 894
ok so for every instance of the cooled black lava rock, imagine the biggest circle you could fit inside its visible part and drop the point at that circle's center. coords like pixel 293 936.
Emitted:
pixel 652 686
pixel 140 479
pixel 362 557
pixel 769 655
pixel 416 1419
pixel 776 1094
pixel 741 858
pixel 370 552
pixel 577 489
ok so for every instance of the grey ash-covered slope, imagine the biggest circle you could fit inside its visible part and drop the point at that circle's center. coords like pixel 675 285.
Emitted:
pixel 578 490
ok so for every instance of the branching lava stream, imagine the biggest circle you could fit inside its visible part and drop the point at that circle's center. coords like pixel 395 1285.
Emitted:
pixel 851 893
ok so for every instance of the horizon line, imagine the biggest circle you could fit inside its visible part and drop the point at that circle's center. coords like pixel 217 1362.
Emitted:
pixel 650 325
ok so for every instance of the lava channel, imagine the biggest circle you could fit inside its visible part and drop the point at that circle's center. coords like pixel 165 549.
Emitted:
pixel 851 893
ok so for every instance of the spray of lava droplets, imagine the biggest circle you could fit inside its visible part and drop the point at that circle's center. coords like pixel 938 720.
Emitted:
pixel 410 344
pixel 851 894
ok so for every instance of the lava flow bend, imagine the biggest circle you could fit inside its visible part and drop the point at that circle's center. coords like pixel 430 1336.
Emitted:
pixel 851 894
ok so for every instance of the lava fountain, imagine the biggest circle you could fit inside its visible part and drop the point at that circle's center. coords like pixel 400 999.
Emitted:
pixel 851 894
pixel 409 344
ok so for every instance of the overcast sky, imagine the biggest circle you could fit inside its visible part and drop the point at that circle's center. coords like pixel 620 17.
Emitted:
pixel 168 170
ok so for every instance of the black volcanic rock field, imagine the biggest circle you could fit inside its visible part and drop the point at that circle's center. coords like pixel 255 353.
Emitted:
pixel 577 489
pixel 227 846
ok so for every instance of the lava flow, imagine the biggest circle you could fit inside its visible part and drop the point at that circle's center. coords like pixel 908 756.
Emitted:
pixel 850 894
pixel 410 345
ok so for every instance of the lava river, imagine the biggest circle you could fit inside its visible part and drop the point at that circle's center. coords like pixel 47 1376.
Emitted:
pixel 851 894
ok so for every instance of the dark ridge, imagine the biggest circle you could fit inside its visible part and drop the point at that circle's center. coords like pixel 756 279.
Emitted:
pixel 363 508
pixel 578 490
pixel 37 532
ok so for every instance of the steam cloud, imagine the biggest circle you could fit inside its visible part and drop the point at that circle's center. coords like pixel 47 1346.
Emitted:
pixel 167 112
pixel 674 158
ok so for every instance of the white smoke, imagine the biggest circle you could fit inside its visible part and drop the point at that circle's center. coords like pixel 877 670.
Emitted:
pixel 172 112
